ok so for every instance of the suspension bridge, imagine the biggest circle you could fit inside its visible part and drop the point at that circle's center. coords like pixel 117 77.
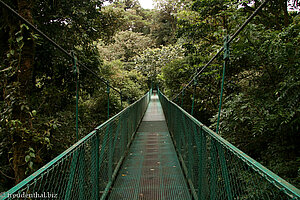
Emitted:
pixel 152 150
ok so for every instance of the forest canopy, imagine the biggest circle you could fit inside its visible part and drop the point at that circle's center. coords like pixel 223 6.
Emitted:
pixel 135 48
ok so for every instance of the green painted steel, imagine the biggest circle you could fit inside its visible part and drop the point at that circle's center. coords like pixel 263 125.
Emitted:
pixel 226 60
pixel 87 169
pixel 215 145
pixel 217 169
pixel 182 96
pixel 108 91
pixel 76 73
pixel 194 91
pixel 121 99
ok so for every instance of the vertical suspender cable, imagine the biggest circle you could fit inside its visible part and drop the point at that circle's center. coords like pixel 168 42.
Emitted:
pixel 108 90
pixel 76 73
pixel 182 98
pixel 220 151
pixel 121 100
pixel 226 60
pixel 193 102
pixel 221 49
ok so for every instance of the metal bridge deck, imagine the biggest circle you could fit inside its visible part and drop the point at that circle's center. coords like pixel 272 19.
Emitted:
pixel 151 169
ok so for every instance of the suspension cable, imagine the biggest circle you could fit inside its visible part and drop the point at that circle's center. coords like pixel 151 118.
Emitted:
pixel 221 49
pixel 76 73
pixel 57 45
pixel 193 100
pixel 226 61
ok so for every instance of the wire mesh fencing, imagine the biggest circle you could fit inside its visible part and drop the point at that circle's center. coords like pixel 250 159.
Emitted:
pixel 214 168
pixel 88 168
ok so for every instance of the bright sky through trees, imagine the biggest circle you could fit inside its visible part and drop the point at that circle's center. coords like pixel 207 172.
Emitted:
pixel 147 4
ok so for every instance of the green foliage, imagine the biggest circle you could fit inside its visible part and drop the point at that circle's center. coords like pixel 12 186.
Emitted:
pixel 166 21
pixel 38 123
pixel 260 113
pixel 130 82
pixel 122 43
pixel 126 45
pixel 266 103
pixel 151 61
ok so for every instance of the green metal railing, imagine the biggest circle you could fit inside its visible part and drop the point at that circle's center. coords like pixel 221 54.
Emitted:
pixel 88 168
pixel 214 168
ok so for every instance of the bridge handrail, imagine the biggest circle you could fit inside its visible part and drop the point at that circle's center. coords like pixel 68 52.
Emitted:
pixel 283 186
pixel 123 119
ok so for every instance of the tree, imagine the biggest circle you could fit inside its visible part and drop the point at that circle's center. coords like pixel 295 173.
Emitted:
pixel 37 82
pixel 126 45
pixel 165 22
pixel 151 61
pixel 20 63
pixel 262 69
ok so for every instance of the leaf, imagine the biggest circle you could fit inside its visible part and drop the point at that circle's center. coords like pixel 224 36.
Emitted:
pixel 32 155
pixel 24 25
pixel 20 38
pixel 54 126
pixel 34 112
pixel 47 140
pixel 27 158
pixel 17 33
pixel 30 165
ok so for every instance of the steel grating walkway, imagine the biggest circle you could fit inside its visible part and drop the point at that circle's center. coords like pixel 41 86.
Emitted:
pixel 151 169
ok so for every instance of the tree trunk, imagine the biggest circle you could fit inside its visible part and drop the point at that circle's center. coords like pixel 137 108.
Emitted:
pixel 24 76
pixel 27 58
pixel 285 12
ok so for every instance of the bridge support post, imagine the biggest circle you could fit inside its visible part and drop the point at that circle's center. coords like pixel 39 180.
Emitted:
pixel 81 169
pixel 219 148
pixel 72 174
pixel 224 171
pixel 213 170
pixel 95 166
pixel 194 91
pixel 110 154
pixel 182 99
pixel 202 179
pixel 121 100
pixel 108 90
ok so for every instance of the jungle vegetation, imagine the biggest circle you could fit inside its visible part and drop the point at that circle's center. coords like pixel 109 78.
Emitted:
pixel 134 48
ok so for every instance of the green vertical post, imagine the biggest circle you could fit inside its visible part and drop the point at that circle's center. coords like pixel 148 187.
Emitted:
pixel 71 174
pixel 202 163
pixel 108 90
pixel 190 153
pixel 96 178
pixel 123 132
pixel 182 98
pixel 220 149
pixel 110 153
pixel 121 100
pixel 81 173
pixel 213 170
pixel 193 102
pixel 226 59
pixel 76 73
pixel 225 173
